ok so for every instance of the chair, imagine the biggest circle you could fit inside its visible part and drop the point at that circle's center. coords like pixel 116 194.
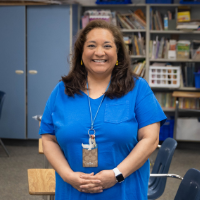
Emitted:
pixel 156 185
pixel 189 189
pixel 2 96
pixel 42 182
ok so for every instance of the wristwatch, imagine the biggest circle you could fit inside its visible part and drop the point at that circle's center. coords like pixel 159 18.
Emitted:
pixel 118 175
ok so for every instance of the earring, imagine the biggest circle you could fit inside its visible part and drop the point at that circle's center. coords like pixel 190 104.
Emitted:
pixel 117 62
pixel 81 62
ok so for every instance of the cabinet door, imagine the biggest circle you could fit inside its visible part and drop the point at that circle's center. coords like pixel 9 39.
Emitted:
pixel 48 47
pixel 12 58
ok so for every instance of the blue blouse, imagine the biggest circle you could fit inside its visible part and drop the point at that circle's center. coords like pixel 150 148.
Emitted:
pixel 116 126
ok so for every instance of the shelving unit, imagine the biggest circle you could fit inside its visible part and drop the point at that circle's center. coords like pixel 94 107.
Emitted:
pixel 148 33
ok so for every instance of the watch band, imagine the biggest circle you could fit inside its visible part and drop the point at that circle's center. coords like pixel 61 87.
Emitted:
pixel 118 175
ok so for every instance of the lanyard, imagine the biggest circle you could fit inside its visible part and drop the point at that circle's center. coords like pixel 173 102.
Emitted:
pixel 92 120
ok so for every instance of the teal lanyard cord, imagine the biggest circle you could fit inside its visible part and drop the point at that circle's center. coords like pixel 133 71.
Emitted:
pixel 92 121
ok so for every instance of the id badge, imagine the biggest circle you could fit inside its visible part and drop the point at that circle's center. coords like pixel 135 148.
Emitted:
pixel 90 153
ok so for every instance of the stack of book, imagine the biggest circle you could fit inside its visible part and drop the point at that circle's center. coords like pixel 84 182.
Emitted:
pixel 135 44
pixel 165 99
pixel 139 68
pixel 159 49
pixel 169 49
pixel 132 20
pixel 189 103
pixel 156 20
pixel 187 74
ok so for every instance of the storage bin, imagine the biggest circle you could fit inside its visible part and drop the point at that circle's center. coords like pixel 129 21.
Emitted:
pixel 190 2
pixel 160 1
pixel 167 130
pixel 197 80
pixel 113 2
pixel 167 77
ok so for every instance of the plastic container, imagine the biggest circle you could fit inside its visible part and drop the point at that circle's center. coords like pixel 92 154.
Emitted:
pixel 160 1
pixel 166 77
pixel 167 130
pixel 197 80
pixel 113 2
pixel 190 2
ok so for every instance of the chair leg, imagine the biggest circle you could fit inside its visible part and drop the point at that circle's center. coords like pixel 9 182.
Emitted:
pixel 4 147
pixel 52 197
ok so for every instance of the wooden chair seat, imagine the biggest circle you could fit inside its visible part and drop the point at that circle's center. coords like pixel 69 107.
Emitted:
pixel 186 94
pixel 41 181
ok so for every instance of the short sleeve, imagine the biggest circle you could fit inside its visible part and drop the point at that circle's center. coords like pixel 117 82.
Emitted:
pixel 47 126
pixel 147 108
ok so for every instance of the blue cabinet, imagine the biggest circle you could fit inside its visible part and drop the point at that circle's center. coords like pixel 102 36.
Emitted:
pixel 35 40
pixel 48 46
pixel 13 71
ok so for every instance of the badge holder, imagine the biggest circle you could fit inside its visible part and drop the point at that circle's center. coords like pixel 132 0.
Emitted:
pixel 90 151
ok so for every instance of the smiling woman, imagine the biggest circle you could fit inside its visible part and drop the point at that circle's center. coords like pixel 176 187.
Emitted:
pixel 101 122
pixel 99 41
pixel 99 53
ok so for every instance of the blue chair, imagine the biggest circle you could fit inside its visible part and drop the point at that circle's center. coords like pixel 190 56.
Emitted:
pixel 189 188
pixel 156 185
pixel 2 96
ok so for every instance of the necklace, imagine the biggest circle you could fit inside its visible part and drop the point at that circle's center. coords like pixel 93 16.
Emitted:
pixel 90 151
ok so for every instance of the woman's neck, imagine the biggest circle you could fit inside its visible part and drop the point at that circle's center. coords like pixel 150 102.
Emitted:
pixel 97 85
pixel 98 81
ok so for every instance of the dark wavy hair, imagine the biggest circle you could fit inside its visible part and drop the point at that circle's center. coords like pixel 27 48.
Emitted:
pixel 122 76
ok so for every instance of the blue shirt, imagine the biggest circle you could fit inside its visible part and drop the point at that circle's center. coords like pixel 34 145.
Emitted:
pixel 116 126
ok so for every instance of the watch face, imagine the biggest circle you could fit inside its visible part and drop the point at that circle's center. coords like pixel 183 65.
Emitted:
pixel 120 178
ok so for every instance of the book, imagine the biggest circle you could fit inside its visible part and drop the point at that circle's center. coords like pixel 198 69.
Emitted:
pixel 154 50
pixel 150 48
pixel 158 18
pixel 141 21
pixel 183 16
pixel 155 22
pixel 136 45
pixel 157 47
pixel 183 49
pixel 123 23
pixel 160 52
pixel 141 44
pixel 140 14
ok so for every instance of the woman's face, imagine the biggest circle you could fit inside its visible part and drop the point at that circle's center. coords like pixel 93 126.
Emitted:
pixel 99 52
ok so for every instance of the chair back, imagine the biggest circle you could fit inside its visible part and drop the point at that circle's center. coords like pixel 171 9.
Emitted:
pixel 162 163
pixel 2 96
pixel 189 188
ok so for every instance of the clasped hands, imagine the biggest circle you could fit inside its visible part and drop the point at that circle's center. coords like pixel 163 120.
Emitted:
pixel 90 183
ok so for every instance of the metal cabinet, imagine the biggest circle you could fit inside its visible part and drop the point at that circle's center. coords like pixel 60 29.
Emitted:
pixel 35 40
pixel 48 47
pixel 13 71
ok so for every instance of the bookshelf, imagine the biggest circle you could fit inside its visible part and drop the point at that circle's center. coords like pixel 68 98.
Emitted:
pixel 150 33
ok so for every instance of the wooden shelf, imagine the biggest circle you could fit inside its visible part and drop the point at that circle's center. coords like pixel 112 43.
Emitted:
pixel 186 94
pixel 174 32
